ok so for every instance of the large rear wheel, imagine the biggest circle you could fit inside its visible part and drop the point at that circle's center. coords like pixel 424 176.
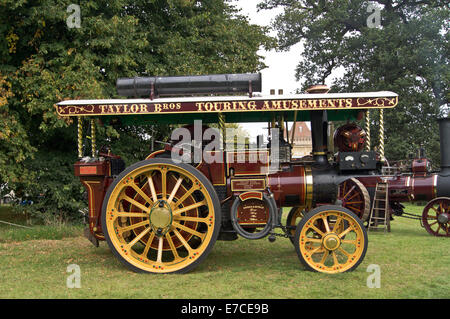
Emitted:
pixel 161 217
pixel 331 239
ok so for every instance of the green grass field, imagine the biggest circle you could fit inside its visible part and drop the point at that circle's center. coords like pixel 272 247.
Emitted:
pixel 33 264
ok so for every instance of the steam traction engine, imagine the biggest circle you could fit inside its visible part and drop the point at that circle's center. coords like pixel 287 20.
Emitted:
pixel 164 214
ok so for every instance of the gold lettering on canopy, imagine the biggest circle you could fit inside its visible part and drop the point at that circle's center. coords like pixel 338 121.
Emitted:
pixel 225 106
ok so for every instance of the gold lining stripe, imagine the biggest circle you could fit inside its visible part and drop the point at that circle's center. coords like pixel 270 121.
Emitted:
pixel 435 185
pixel 309 187
pixel 254 195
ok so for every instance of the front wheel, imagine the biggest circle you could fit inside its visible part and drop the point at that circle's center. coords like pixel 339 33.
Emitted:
pixel 330 239
pixel 161 217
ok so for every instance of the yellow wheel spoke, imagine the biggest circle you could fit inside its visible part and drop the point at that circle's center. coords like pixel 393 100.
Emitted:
pixel 345 232
pixel 192 219
pixel 172 246
pixel 141 193
pixel 183 198
pixel 164 183
pixel 135 240
pixel 127 228
pixel 189 230
pixel 335 260
pixel 128 214
pixel 342 250
pixel 175 189
pixel 325 222
pixel 148 245
pixel 183 241
pixel 135 203
pixel 315 250
pixel 317 230
pixel 336 224
pixel 152 188
pixel 351 242
pixel 324 257
pixel 188 208
pixel 160 249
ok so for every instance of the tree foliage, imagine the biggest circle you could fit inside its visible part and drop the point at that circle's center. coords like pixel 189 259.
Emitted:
pixel 408 53
pixel 43 61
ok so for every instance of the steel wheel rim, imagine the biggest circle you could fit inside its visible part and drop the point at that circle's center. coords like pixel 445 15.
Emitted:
pixel 189 232
pixel 337 249
pixel 432 217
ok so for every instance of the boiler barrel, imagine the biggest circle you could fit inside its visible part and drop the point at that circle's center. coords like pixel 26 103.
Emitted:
pixel 185 85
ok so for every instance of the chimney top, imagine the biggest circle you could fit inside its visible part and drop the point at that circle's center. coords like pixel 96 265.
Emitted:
pixel 320 88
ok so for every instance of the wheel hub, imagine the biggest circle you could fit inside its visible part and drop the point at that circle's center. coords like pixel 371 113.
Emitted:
pixel 160 217
pixel 443 218
pixel 331 241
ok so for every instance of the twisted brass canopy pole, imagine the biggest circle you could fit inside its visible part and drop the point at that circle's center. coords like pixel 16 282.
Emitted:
pixel 367 128
pixel 93 137
pixel 382 134
pixel 222 131
pixel 80 137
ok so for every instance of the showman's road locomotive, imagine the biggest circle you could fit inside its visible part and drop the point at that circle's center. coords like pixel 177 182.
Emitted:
pixel 164 214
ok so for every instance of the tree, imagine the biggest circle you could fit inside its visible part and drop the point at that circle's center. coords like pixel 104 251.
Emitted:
pixel 52 50
pixel 396 45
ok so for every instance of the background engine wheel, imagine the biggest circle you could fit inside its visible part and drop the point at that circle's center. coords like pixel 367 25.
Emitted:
pixel 436 217
pixel 355 197
pixel 161 217
pixel 335 249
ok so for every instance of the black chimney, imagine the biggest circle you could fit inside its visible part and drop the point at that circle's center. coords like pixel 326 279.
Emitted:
pixel 444 133
pixel 319 128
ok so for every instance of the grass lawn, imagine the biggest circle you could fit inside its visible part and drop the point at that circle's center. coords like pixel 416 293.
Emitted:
pixel 33 264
